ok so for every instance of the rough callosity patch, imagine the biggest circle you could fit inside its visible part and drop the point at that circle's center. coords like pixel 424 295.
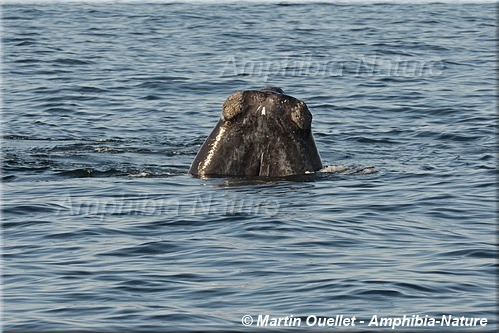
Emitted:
pixel 233 105
pixel 301 116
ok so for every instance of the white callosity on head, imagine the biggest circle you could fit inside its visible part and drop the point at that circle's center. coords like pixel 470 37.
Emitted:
pixel 262 112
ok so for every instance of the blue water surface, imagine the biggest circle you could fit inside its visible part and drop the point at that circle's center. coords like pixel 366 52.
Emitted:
pixel 106 104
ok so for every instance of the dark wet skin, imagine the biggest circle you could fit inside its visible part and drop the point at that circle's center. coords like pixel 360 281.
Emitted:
pixel 261 133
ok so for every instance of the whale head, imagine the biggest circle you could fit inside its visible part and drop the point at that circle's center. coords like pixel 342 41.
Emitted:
pixel 260 133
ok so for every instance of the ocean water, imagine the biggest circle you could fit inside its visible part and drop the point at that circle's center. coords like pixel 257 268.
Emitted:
pixel 105 106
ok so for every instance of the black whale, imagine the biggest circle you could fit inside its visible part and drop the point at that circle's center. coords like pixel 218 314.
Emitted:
pixel 261 133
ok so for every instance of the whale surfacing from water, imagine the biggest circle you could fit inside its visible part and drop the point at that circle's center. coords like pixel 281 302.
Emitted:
pixel 260 133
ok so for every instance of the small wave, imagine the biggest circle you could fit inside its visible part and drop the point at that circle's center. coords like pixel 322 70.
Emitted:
pixel 26 209
pixel 459 137
pixel 27 60
pixel 27 43
pixel 151 98
pixel 140 174
pixel 150 248
pixel 59 110
pixel 373 293
pixel 340 169
pixel 363 139
pixel 334 169
pixel 472 253
pixel 9 178
pixel 68 61
pixel 85 89
pixel 90 172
